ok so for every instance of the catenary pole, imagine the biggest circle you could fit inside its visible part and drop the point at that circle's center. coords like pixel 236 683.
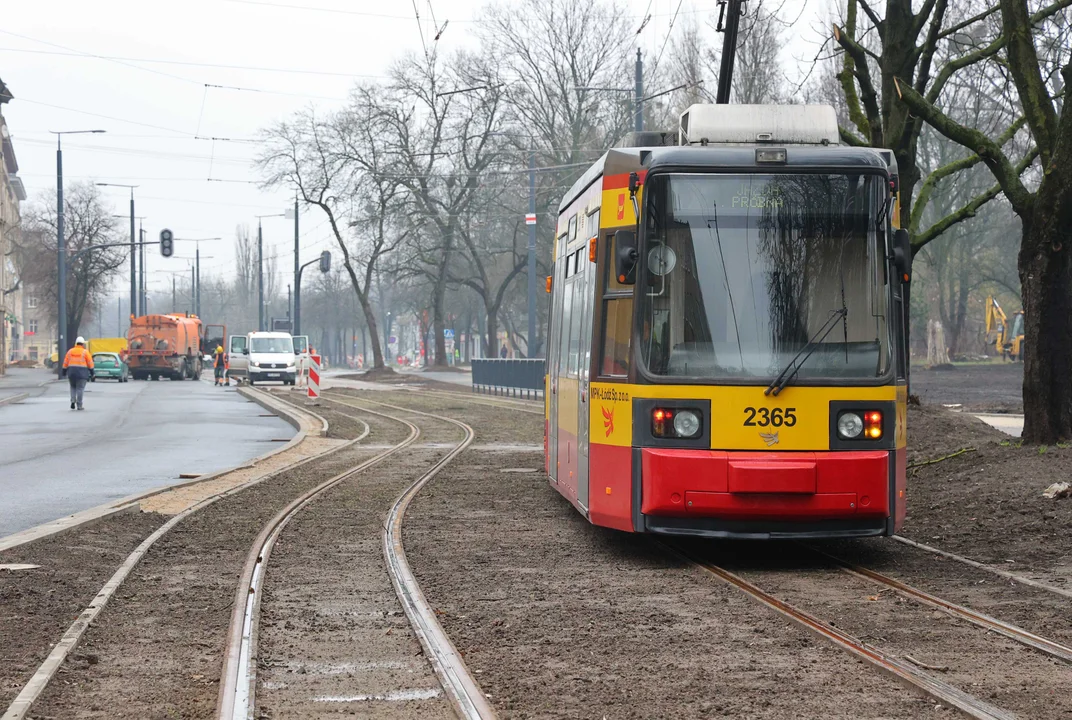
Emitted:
pixel 61 247
pixel 532 252
pixel 296 319
pixel 260 277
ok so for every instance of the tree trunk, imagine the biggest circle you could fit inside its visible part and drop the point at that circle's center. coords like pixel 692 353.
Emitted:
pixel 1046 278
pixel 492 325
pixel 370 320
pixel 438 324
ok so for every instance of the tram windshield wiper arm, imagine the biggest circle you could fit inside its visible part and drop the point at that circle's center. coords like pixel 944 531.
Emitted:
pixel 794 366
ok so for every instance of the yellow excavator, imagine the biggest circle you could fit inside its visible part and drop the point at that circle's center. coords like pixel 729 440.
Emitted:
pixel 1007 341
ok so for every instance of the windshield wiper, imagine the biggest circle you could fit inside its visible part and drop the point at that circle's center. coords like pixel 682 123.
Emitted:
pixel 786 376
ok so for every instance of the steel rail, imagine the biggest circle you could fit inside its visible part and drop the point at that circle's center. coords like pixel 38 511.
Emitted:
pixel 461 687
pixel 902 671
pixel 983 566
pixel 31 691
pixel 238 685
pixel 1013 632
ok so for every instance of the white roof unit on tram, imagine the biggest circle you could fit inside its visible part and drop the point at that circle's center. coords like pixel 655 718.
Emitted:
pixel 751 124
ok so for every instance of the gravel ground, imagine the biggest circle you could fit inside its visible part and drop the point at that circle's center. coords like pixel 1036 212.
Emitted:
pixel 37 606
pixel 158 645
pixel 333 635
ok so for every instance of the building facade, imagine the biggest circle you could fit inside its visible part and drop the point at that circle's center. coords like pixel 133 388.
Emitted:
pixel 12 193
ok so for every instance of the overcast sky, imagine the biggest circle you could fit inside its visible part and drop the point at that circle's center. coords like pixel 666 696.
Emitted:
pixel 151 97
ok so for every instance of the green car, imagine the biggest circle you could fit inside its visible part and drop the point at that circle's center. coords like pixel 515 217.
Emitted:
pixel 110 365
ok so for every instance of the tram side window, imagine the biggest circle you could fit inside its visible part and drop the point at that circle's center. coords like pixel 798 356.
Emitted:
pixel 564 329
pixel 577 302
pixel 617 324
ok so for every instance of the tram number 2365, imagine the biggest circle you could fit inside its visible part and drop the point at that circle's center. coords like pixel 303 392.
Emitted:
pixel 765 417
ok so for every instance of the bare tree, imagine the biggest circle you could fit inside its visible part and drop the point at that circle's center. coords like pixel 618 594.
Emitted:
pixel 338 164
pixel 87 223
pixel 444 124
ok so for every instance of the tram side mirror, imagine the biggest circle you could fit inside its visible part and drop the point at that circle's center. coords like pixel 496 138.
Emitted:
pixel 902 254
pixel 625 259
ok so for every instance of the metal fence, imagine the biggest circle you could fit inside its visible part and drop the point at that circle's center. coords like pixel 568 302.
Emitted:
pixel 502 376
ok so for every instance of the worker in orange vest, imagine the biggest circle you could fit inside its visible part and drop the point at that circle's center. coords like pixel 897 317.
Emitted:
pixel 78 367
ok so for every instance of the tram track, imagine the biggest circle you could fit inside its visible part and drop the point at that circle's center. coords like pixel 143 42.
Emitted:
pixel 799 599
pixel 238 689
pixel 902 670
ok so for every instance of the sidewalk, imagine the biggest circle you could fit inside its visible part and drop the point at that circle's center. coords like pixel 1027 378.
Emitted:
pixel 17 381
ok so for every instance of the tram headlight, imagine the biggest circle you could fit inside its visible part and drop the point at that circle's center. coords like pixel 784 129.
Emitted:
pixel 687 424
pixel 850 425
pixel 676 423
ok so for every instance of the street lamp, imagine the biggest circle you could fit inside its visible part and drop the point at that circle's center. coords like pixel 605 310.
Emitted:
pixel 61 243
pixel 260 269
pixel 197 261
pixel 133 262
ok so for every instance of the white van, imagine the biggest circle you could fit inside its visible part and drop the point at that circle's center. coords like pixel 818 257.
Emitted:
pixel 262 356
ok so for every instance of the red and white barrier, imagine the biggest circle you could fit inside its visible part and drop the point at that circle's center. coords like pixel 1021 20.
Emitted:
pixel 314 376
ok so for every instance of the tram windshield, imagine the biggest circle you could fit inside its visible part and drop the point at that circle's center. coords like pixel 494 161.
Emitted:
pixel 742 270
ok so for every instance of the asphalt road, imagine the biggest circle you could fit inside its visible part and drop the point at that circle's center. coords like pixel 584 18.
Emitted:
pixel 132 437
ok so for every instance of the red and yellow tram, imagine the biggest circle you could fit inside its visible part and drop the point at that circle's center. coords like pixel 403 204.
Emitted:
pixel 727 355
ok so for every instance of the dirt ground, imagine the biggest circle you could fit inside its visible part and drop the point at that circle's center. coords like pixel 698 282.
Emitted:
pixel 37 606
pixel 996 388
pixel 987 503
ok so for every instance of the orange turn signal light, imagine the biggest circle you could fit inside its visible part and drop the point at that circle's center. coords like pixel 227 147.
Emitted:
pixel 873 424
pixel 592 250
pixel 549 279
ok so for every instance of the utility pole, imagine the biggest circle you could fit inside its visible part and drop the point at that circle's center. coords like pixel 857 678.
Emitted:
pixel 133 247
pixel 61 248
pixel 729 47
pixel 197 288
pixel 260 277
pixel 296 318
pixel 174 305
pixel 531 220
pixel 193 284
pixel 143 308
pixel 638 121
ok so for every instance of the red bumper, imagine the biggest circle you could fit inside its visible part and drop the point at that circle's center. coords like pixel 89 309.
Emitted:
pixel 773 486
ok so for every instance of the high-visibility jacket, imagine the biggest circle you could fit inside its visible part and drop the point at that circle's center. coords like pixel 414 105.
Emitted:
pixel 78 356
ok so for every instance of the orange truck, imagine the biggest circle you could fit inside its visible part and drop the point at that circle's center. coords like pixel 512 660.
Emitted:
pixel 169 346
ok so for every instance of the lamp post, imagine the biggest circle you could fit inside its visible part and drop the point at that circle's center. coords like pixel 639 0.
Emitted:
pixel 61 244
pixel 196 300
pixel 133 255
pixel 260 269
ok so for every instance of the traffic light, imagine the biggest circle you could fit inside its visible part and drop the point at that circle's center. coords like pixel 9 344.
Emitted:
pixel 325 261
pixel 167 243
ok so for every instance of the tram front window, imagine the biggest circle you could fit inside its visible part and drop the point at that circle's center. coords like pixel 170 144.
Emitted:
pixel 740 271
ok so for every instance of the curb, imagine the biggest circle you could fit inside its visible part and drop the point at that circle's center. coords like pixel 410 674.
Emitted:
pixel 131 502
pixel 282 407
pixel 13 399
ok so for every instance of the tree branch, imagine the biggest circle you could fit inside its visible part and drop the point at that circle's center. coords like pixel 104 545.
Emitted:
pixel 925 191
pixel 847 76
pixel 969 209
pixel 862 73
pixel 987 149
pixel 1023 64
pixel 851 138
pixel 879 24
pixel 970 21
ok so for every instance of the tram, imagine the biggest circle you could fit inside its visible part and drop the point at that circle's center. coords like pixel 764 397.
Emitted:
pixel 727 353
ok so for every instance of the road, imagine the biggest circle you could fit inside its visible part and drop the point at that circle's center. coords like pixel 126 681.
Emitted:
pixel 131 438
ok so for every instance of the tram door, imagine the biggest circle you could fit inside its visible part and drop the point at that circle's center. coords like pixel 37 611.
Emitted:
pixel 554 345
pixel 586 282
